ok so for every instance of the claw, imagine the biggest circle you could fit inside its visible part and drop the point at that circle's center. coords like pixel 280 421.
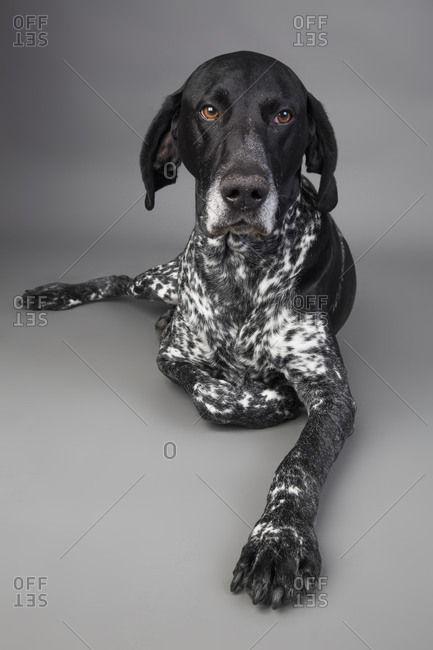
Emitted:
pixel 277 597
pixel 236 582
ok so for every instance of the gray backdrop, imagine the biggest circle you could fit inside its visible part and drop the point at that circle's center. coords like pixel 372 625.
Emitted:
pixel 129 548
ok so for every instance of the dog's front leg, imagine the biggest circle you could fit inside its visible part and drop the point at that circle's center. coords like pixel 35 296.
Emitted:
pixel 281 557
pixel 158 283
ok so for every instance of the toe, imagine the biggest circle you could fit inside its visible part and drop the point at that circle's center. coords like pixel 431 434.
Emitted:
pixel 259 594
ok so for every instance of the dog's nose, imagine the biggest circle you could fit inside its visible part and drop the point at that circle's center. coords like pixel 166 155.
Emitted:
pixel 244 192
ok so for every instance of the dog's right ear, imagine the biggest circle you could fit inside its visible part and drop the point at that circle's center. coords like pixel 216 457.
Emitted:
pixel 321 154
pixel 159 157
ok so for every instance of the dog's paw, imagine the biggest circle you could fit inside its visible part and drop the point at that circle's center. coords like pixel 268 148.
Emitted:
pixel 53 296
pixel 254 405
pixel 215 400
pixel 278 564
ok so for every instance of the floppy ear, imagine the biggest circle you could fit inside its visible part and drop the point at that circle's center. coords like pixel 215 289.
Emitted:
pixel 321 154
pixel 159 157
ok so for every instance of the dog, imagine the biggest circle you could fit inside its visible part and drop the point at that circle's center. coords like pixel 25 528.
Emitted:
pixel 256 298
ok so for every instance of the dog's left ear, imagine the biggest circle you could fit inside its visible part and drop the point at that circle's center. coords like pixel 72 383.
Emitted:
pixel 321 154
pixel 159 157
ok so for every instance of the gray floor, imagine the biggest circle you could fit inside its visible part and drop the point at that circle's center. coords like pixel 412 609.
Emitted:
pixel 129 548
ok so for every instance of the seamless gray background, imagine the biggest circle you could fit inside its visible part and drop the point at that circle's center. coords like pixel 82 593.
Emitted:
pixel 138 549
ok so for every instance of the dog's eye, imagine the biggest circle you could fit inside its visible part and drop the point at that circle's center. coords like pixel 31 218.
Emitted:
pixel 209 112
pixel 283 117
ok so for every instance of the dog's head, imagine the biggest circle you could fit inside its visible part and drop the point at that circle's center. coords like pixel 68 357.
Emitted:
pixel 241 124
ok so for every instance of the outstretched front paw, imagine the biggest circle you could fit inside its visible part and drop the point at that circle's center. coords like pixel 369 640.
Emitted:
pixel 53 296
pixel 279 563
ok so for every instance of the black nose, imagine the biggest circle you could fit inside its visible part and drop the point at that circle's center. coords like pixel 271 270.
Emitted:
pixel 244 192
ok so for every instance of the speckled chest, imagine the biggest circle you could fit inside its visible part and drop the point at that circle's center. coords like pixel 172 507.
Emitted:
pixel 236 308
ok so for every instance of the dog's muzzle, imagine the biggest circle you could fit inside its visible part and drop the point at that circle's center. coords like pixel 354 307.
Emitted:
pixel 241 203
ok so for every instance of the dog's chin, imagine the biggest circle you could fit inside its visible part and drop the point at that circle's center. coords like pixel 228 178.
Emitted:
pixel 240 228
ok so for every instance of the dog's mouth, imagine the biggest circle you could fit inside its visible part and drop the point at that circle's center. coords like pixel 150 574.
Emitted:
pixel 248 223
pixel 242 227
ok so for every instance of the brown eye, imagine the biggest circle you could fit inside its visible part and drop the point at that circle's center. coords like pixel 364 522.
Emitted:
pixel 283 117
pixel 209 112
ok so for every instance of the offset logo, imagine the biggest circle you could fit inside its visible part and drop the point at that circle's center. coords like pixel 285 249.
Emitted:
pixel 310 31
pixel 312 306
pixel 30 30
pixel 319 599
pixel 30 591
pixel 31 318
pixel 170 450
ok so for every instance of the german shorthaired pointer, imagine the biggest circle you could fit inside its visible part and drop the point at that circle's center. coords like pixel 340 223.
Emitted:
pixel 257 296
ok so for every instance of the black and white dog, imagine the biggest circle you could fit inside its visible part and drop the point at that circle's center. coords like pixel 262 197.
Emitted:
pixel 257 296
